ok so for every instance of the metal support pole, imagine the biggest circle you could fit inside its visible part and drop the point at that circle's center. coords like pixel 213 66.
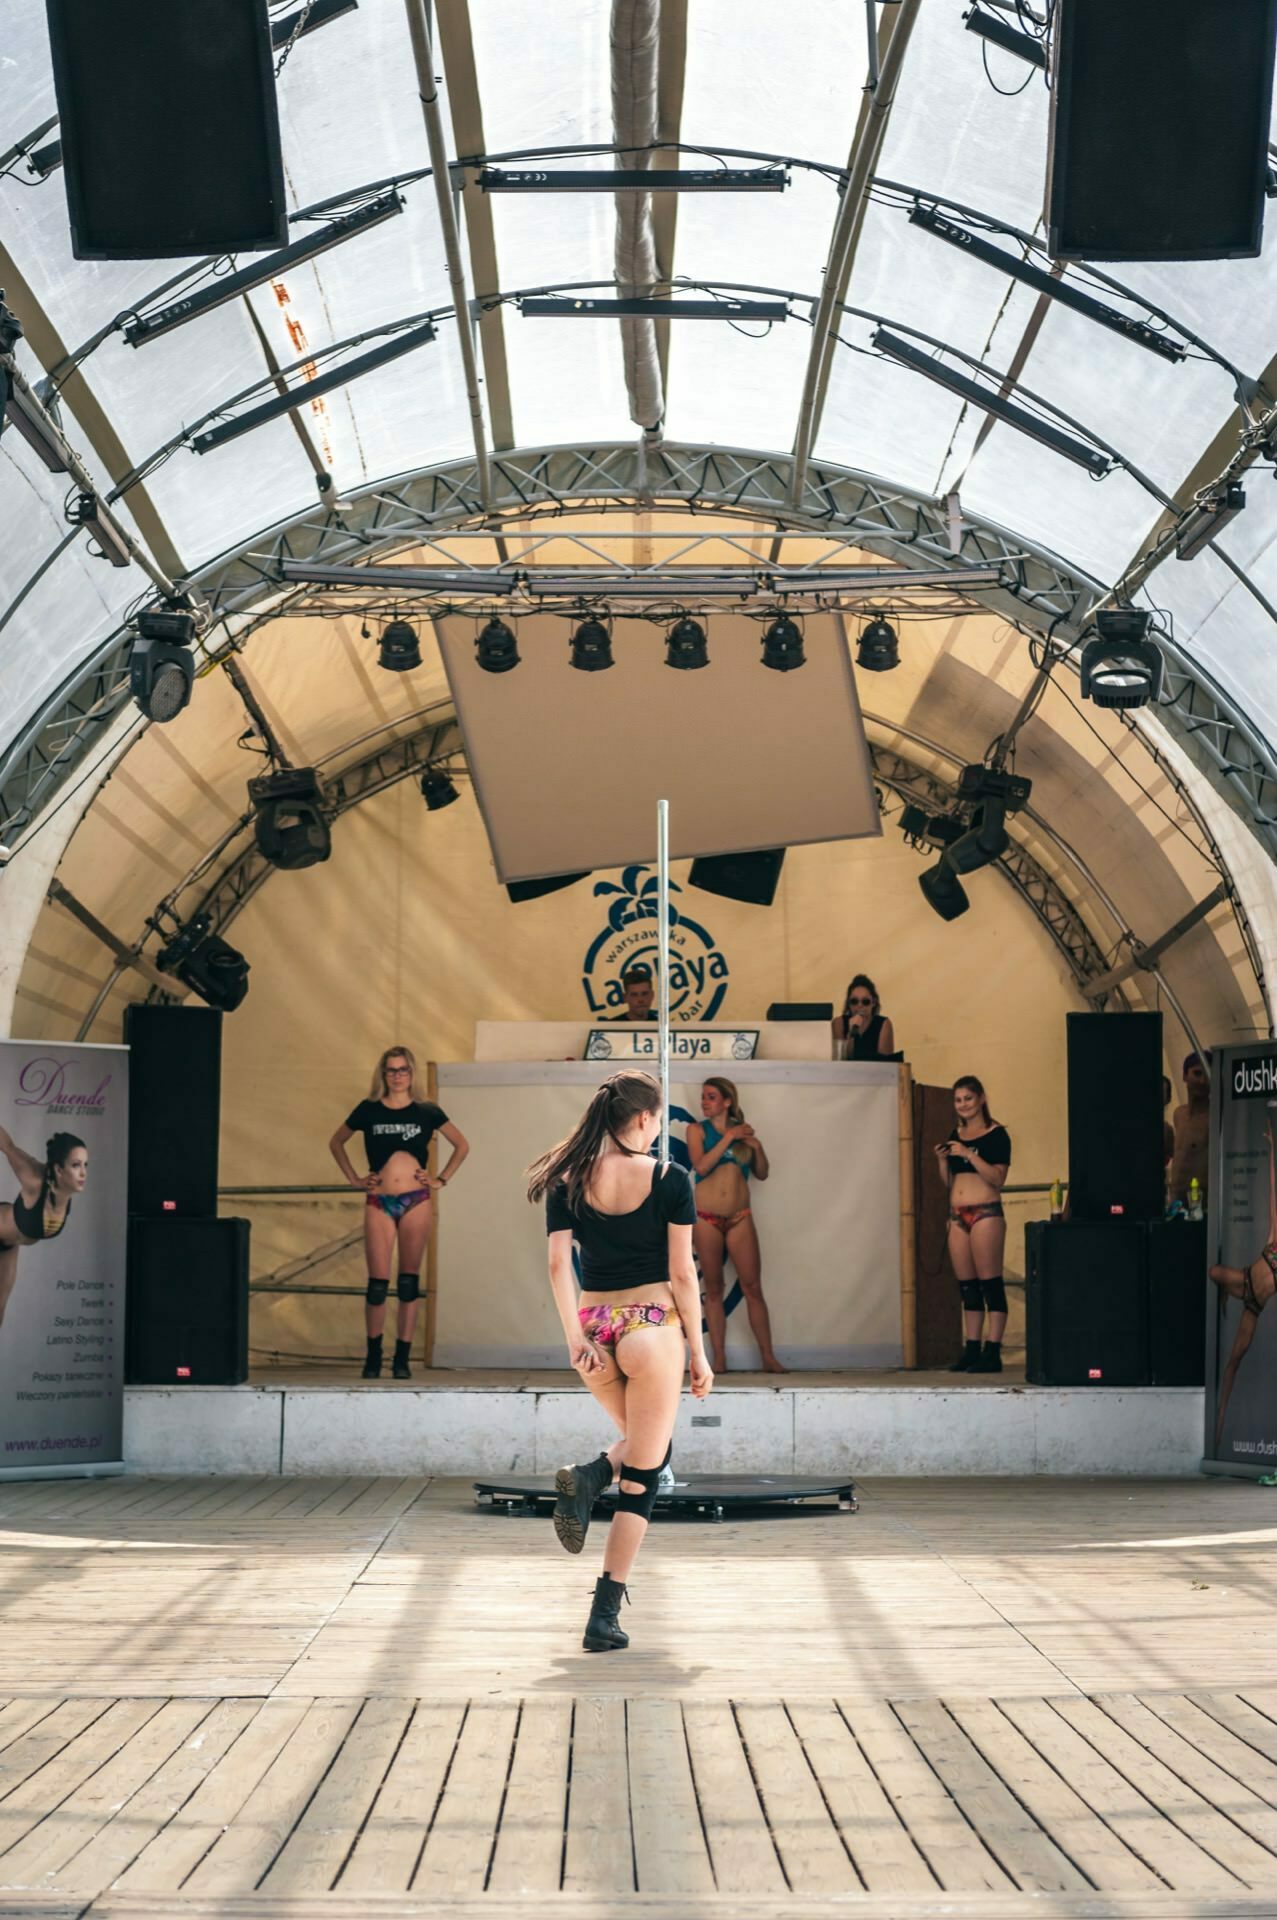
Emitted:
pixel 663 962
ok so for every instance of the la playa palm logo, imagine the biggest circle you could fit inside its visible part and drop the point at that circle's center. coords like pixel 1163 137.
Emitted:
pixel 698 970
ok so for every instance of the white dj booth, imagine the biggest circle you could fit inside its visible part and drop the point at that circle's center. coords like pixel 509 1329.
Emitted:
pixel 829 1218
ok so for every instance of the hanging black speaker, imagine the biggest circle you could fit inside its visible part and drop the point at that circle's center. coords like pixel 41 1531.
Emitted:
pixel 169 127
pixel 751 877
pixel 1116 1169
pixel 1159 128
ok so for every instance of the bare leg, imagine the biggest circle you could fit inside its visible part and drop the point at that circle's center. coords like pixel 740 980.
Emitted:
pixel 8 1274
pixel 988 1243
pixel 379 1245
pixel 963 1259
pixel 711 1252
pixel 414 1232
pixel 608 1388
pixel 742 1244
pixel 652 1362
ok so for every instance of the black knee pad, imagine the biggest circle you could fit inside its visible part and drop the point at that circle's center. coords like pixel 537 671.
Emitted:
pixel 641 1503
pixel 408 1286
pixel 377 1291
pixel 995 1295
pixel 972 1292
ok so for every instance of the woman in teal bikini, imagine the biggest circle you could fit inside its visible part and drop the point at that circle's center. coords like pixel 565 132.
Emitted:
pixel 725 1153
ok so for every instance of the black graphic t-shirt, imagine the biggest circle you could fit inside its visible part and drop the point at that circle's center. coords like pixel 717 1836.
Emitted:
pixel 388 1130
pixel 622 1250
pixel 994 1148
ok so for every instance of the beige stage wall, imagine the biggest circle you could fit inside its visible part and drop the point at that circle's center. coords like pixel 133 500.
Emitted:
pixel 406 936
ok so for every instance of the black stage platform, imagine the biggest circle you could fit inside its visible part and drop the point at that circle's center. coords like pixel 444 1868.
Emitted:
pixel 705 1496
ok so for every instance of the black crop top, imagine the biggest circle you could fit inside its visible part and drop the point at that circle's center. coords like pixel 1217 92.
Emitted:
pixel 620 1250
pixel 388 1130
pixel 994 1148
pixel 864 1046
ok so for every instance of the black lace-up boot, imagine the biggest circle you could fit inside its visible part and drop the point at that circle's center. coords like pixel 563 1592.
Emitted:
pixel 577 1488
pixel 603 1628
pixel 372 1365
pixel 400 1369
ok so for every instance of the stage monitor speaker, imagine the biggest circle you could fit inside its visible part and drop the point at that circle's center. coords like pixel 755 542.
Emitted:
pixel 519 890
pixel 186 1315
pixel 1159 128
pixel 1178 1286
pixel 751 877
pixel 175 1082
pixel 1116 1169
pixel 1086 1304
pixel 169 127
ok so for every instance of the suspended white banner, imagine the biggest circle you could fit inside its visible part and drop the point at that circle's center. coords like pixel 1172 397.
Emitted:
pixel 64 1115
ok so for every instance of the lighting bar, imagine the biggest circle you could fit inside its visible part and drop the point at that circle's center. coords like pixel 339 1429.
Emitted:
pixel 309 390
pixel 321 12
pixel 87 511
pixel 1204 522
pixel 635 180
pixel 673 583
pixel 1063 291
pixel 1025 46
pixel 24 411
pixel 142 327
pixel 910 356
pixel 540 307
pixel 42 161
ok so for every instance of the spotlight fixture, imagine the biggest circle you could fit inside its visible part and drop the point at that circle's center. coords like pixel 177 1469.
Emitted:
pixel 398 649
pixel 290 828
pixel 943 891
pixel 686 646
pixel 437 790
pixel 783 645
pixel 87 511
pixel 992 403
pixel 878 649
pixel 922 829
pixel 1206 520
pixel 496 647
pixel 1062 291
pixel 993 794
pixel 913 824
pixel 140 328
pixel 989 26
pixel 206 963
pixel 1121 667
pixel 161 670
pixel 307 390
pixel 592 647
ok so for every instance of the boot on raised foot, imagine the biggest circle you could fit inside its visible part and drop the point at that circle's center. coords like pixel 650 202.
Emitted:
pixel 576 1490
pixel 603 1628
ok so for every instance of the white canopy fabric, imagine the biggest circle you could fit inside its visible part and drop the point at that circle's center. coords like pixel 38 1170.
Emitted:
pixel 736 76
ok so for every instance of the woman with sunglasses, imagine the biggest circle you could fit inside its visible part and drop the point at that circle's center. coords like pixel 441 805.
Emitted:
pixel 862 1031
pixel 397 1123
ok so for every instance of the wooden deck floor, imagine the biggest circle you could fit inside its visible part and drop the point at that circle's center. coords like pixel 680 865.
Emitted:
pixel 285 1699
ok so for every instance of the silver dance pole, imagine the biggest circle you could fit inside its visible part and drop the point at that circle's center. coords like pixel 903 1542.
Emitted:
pixel 663 962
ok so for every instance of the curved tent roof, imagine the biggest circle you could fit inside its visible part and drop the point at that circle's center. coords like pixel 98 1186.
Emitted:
pixel 730 80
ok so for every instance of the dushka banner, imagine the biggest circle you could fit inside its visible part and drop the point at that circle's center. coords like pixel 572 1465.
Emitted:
pixel 63 1231
pixel 1241 1350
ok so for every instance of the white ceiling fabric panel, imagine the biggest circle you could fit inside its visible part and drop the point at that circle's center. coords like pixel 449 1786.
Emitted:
pixel 1096 524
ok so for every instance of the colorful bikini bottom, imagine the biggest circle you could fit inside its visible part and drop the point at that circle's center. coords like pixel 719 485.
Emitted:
pixel 724 1221
pixel 398 1204
pixel 606 1325
pixel 966 1217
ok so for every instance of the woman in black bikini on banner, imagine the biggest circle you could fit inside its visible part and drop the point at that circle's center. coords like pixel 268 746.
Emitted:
pixel 43 1205
pixel 1254 1286
pixel 638 1304
pixel 974 1163
pixel 397 1123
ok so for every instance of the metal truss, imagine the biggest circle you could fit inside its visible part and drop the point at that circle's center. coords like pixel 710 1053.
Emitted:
pixel 245 586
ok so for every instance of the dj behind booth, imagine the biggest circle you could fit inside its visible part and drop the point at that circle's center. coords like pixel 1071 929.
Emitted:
pixel 829 1217
pixel 1116 1293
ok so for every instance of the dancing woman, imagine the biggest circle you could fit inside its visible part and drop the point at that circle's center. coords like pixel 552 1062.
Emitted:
pixel 397 1123
pixel 1254 1286
pixel 725 1151
pixel 43 1205
pixel 626 1331
pixel 974 1163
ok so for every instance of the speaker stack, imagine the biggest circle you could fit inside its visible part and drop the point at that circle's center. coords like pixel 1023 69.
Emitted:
pixel 1114 1295
pixel 187 1300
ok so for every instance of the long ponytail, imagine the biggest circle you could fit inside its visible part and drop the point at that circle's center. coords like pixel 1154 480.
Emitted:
pixel 617 1103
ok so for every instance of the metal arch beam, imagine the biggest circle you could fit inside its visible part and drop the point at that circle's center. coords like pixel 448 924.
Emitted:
pixel 891 521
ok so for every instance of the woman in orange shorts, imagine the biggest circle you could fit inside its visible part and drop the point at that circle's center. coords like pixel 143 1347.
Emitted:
pixel 725 1153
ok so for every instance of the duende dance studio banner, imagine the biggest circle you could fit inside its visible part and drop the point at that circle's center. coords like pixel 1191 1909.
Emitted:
pixel 64 1141
pixel 1241 1350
